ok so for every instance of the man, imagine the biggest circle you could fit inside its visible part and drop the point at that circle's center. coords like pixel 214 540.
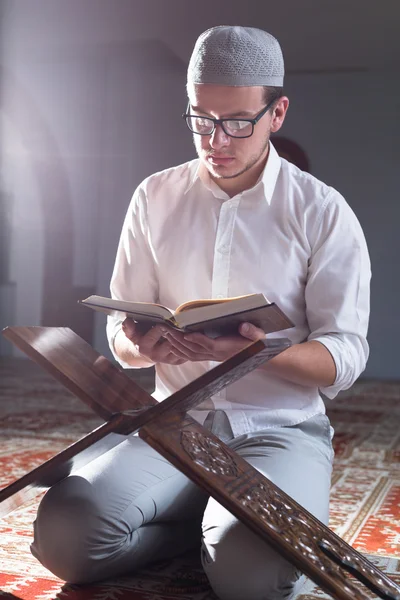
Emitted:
pixel 238 220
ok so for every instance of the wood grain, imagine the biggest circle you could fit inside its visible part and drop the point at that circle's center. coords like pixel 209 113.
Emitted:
pixel 112 395
pixel 83 371
pixel 265 508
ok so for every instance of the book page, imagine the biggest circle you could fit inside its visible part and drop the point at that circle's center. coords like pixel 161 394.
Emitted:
pixel 224 307
pixel 130 308
pixel 209 302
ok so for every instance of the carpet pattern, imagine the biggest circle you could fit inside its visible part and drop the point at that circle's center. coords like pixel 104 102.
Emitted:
pixel 39 418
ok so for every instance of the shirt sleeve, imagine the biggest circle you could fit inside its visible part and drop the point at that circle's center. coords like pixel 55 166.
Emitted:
pixel 337 290
pixel 133 276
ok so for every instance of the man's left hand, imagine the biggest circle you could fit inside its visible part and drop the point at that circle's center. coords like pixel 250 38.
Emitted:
pixel 198 347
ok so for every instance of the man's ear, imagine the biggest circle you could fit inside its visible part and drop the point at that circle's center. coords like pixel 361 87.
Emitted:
pixel 279 114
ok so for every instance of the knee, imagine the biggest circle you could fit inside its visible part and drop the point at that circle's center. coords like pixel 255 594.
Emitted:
pixel 234 574
pixel 239 564
pixel 69 537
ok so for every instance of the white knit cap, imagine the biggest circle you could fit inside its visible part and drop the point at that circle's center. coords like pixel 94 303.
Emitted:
pixel 237 56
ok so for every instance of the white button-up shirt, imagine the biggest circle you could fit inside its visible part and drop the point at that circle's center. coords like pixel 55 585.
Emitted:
pixel 290 237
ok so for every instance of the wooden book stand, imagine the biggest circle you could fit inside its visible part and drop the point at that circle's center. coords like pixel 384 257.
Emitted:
pixel 251 497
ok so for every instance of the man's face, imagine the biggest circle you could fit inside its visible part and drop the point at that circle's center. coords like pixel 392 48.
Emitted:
pixel 226 157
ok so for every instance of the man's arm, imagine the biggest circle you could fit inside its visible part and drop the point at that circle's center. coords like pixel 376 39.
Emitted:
pixel 133 277
pixel 309 364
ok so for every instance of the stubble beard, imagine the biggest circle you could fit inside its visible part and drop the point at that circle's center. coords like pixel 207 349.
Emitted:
pixel 249 165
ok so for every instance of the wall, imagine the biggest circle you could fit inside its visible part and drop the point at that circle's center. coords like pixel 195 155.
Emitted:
pixel 81 127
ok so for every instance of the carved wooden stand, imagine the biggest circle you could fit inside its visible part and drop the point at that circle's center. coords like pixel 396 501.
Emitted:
pixel 247 494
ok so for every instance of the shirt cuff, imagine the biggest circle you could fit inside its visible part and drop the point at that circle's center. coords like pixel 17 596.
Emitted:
pixel 113 328
pixel 346 370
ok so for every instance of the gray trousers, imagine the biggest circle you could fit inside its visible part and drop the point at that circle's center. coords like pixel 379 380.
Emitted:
pixel 131 507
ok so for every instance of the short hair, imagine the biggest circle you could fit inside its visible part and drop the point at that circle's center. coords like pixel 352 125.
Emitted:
pixel 272 94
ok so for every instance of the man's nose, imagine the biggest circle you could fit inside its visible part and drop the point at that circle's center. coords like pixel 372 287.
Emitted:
pixel 219 138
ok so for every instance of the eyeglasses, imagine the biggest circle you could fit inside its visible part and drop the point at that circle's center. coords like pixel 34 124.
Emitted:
pixel 236 128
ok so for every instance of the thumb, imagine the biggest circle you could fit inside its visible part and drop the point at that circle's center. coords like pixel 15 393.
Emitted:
pixel 130 330
pixel 251 332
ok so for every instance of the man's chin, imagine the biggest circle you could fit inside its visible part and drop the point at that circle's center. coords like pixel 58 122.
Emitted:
pixel 222 171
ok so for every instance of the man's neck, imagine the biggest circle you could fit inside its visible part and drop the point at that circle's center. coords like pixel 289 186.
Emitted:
pixel 236 185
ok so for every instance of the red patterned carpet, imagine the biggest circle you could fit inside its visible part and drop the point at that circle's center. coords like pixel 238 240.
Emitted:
pixel 39 418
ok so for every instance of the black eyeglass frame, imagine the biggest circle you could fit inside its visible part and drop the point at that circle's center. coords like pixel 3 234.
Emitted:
pixel 216 122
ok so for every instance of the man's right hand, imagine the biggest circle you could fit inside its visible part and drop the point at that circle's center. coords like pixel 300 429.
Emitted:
pixel 145 349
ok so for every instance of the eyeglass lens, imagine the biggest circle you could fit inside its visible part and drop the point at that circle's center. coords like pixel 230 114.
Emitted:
pixel 232 127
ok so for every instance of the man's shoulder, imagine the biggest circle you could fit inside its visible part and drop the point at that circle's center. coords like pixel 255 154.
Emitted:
pixel 319 207
pixel 304 182
pixel 309 191
pixel 177 178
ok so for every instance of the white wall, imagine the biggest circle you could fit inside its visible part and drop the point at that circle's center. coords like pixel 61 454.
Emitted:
pixel 21 295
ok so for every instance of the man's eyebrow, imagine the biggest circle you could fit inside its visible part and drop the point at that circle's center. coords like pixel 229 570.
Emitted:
pixel 242 113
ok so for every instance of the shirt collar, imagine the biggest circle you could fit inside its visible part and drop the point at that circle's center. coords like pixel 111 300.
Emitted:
pixel 270 174
pixel 268 177
pixel 194 175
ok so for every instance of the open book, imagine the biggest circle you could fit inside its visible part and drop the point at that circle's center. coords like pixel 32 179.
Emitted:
pixel 213 317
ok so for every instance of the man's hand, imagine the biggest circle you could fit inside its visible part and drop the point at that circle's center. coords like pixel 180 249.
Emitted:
pixel 197 346
pixel 152 346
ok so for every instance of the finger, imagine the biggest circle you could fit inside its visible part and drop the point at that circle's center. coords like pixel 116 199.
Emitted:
pixel 174 360
pixel 189 356
pixel 130 330
pixel 163 353
pixel 150 339
pixel 179 350
pixel 251 332
pixel 185 345
pixel 199 339
pixel 180 355
pixel 171 333
pixel 182 351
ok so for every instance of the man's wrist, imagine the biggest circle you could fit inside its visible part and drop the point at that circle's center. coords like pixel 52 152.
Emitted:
pixel 128 352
